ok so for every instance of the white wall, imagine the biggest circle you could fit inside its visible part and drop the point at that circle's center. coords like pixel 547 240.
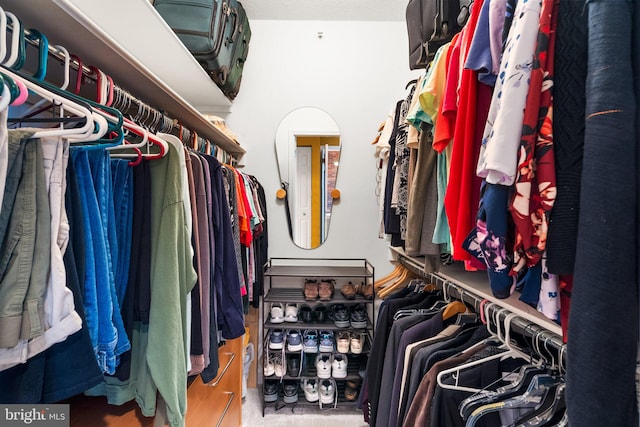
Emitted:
pixel 355 72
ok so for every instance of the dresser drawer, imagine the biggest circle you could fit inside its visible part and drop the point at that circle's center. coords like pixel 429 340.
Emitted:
pixel 219 403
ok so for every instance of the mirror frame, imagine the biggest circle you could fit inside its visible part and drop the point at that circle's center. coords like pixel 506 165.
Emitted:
pixel 301 122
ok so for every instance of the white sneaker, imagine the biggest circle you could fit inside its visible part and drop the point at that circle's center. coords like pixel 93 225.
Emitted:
pixel 342 342
pixel 277 313
pixel 339 366
pixel 323 365
pixel 310 388
pixel 327 391
pixel 279 366
pixel 291 313
pixel 357 343
pixel 269 367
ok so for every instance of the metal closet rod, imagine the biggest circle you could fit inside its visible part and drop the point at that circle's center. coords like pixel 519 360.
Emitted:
pixel 89 73
pixel 545 339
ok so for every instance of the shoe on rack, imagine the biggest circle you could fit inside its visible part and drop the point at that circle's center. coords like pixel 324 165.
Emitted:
pixel 326 342
pixel 323 366
pixel 271 390
pixel 365 290
pixel 293 365
pixel 320 313
pixel 306 314
pixel 342 342
pixel 291 313
pixel 354 383
pixel 268 367
pixel 327 391
pixel 348 291
pixel 339 366
pixel 350 394
pixel 326 289
pixel 290 391
pixel 277 313
pixel 310 388
pixel 311 288
pixel 340 316
pixel 310 341
pixel 276 339
pixel 294 340
pixel 359 317
pixel 356 343
pixel 279 365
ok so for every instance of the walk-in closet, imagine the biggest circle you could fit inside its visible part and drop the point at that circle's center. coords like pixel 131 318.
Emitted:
pixel 384 213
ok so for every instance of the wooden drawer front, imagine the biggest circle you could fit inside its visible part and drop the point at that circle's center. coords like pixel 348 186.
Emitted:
pixel 218 403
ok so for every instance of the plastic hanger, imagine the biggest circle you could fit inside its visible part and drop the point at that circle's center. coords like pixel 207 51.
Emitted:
pixel 43 53
pixel 455 371
pixel 3 35
pixel 136 130
pixel 79 74
pixel 16 31
pixel 437 306
pixel 5 97
pixel 79 110
pixel 536 392
pixel 37 107
pixel 14 90
pixel 105 120
pixel 552 404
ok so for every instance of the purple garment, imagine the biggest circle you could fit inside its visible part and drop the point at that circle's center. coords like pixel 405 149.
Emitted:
pixel 497 12
pixel 480 56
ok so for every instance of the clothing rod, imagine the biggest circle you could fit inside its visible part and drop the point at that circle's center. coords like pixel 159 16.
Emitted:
pixel 413 266
pixel 545 339
pixel 92 75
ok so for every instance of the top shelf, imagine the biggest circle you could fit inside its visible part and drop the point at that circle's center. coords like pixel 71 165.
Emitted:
pixel 132 43
pixel 319 268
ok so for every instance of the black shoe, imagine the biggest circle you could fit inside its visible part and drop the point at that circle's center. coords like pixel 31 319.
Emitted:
pixel 293 365
pixel 359 317
pixel 341 316
pixel 321 313
pixel 271 390
pixel 306 314
pixel 290 389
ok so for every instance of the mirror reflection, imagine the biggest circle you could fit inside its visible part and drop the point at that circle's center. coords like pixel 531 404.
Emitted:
pixel 308 153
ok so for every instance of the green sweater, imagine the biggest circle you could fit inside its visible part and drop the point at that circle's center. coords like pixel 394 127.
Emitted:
pixel 172 278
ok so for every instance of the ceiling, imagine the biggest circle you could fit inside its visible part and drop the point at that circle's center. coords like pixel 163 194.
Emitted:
pixel 326 10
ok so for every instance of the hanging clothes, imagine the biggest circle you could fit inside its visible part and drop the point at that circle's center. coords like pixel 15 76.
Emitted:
pixel 609 209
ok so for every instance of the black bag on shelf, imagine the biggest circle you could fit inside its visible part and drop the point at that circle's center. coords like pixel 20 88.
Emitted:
pixel 430 25
pixel 216 32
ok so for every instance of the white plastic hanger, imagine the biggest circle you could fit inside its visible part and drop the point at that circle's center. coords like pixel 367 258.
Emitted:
pixel 3 35
pixel 84 131
pixel 455 372
pixel 16 26
pixel 5 97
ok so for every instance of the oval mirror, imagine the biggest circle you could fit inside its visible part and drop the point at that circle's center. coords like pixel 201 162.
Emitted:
pixel 308 153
